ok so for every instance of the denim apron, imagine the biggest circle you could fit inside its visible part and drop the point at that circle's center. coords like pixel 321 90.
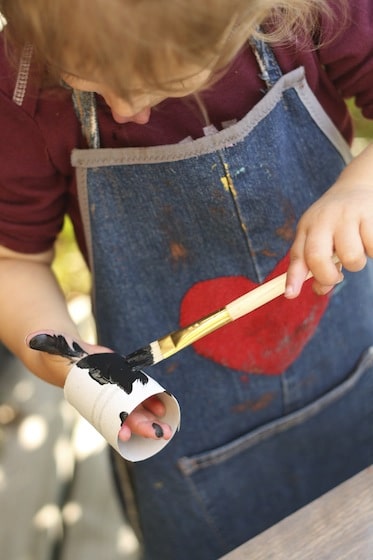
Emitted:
pixel 277 407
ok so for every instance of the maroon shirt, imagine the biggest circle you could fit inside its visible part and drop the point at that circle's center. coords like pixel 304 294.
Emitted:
pixel 37 182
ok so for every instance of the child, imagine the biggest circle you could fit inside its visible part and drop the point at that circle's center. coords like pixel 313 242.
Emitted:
pixel 210 141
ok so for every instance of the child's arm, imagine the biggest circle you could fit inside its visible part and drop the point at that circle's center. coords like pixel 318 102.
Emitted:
pixel 340 222
pixel 30 301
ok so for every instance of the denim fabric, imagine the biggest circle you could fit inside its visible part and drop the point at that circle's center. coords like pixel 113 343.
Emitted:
pixel 255 443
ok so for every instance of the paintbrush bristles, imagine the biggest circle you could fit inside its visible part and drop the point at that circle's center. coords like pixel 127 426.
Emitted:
pixel 140 358
pixel 156 352
pixel 143 357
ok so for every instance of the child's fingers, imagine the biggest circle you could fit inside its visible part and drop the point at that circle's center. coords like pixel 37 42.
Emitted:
pixel 296 275
pixel 144 423
pixel 350 247
pixel 124 432
pixel 155 406
pixel 312 253
pixel 297 270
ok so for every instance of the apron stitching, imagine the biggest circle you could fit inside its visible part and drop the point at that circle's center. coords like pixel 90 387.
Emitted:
pixel 208 517
pixel 323 121
pixel 189 465
pixel 84 210
pixel 229 187
pixel 199 147
pixel 83 200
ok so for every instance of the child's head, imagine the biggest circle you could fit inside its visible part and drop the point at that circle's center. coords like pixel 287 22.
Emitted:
pixel 134 45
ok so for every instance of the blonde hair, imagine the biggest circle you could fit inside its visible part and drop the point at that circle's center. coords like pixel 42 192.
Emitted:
pixel 114 41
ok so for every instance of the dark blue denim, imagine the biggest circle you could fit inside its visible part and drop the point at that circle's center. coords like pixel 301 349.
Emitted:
pixel 252 448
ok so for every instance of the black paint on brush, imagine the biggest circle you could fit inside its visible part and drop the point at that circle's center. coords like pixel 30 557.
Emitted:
pixel 157 430
pixel 140 358
pixel 112 368
pixel 56 344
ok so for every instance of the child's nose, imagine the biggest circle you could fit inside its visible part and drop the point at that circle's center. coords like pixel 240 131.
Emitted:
pixel 142 117
pixel 123 112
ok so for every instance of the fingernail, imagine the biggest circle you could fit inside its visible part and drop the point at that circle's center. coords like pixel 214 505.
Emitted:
pixel 55 344
pixel 289 291
pixel 157 430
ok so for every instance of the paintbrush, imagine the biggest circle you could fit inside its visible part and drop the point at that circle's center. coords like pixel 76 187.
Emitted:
pixel 173 342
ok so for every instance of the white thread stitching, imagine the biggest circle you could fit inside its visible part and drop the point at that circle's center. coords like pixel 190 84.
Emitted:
pixel 23 75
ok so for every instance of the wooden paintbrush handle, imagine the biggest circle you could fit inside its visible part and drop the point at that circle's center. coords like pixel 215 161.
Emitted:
pixel 168 345
pixel 261 295
pixel 257 297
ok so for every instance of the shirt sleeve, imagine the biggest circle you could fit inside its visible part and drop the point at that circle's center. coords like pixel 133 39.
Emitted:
pixel 32 192
pixel 347 53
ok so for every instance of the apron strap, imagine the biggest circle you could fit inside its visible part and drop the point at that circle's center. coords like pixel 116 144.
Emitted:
pixel 85 109
pixel 267 62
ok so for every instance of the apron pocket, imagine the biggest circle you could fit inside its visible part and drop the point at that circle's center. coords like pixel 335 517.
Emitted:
pixel 254 481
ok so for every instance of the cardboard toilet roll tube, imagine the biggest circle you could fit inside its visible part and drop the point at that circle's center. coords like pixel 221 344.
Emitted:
pixel 105 390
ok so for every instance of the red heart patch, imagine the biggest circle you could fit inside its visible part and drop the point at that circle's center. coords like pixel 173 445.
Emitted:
pixel 265 341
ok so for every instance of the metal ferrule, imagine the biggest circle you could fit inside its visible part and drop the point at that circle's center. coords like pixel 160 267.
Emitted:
pixel 178 340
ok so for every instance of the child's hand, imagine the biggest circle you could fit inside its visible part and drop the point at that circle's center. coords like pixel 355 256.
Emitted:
pixel 60 351
pixel 340 223
pixel 145 421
